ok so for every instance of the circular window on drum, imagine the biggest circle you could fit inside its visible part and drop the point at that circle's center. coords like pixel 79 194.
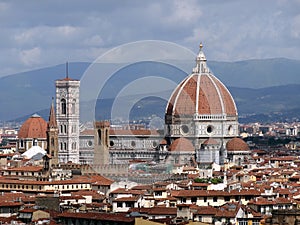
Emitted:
pixel 133 144
pixel 184 129
pixel 154 144
pixel 111 143
pixel 209 129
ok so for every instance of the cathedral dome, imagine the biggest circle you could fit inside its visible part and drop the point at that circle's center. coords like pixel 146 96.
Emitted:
pixel 237 144
pixel 34 127
pixel 182 145
pixel 201 93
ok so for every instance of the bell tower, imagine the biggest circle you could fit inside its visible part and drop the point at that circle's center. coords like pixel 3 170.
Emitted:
pixel 67 114
pixel 52 137
pixel 101 151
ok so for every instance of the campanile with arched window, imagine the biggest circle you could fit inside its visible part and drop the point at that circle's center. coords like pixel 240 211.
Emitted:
pixel 67 114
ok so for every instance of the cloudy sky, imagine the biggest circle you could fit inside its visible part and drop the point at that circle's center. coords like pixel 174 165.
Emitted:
pixel 37 34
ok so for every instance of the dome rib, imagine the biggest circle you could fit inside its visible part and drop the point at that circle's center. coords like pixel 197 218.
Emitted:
pixel 219 93
pixel 197 95
pixel 231 108
pixel 186 95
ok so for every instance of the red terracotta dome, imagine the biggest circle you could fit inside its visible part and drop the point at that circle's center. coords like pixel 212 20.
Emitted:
pixel 201 93
pixel 237 144
pixel 211 141
pixel 34 127
pixel 182 145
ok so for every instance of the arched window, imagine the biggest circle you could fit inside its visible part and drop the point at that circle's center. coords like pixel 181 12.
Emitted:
pixel 22 143
pixel 106 137
pixel 99 137
pixel 35 142
pixel 73 106
pixel 52 142
pixel 63 106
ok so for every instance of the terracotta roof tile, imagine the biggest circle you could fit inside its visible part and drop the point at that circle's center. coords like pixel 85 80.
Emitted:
pixel 237 144
pixel 115 217
pixel 211 96
pixel 182 144
pixel 162 211
pixel 34 127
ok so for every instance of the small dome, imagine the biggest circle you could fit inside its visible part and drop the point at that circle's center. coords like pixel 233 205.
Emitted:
pixel 237 144
pixel 34 127
pixel 211 141
pixel 182 145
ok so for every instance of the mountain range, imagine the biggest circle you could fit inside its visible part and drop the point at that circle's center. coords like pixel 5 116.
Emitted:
pixel 264 90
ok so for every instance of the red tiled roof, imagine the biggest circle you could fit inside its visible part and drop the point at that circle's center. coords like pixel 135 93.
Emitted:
pixel 98 216
pixel 101 180
pixel 67 79
pixel 78 180
pixel 127 199
pixel 93 193
pixel 89 132
pixel 192 193
pixel 142 187
pixel 127 191
pixel 206 210
pixel 10 204
pixel 26 169
pixel 162 211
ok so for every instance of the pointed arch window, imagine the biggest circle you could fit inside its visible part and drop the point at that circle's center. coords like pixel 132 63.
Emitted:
pixel 73 106
pixel 99 137
pixel 52 142
pixel 63 106
pixel 35 142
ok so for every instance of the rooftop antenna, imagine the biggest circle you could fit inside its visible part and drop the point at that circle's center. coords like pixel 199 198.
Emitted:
pixel 67 69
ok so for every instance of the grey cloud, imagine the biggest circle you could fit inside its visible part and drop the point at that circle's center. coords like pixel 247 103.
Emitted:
pixel 77 30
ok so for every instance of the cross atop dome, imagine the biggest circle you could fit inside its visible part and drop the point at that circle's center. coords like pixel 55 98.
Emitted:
pixel 201 66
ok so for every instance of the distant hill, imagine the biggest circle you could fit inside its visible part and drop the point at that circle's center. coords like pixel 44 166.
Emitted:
pixel 280 103
pixel 257 73
pixel 259 87
pixel 25 93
